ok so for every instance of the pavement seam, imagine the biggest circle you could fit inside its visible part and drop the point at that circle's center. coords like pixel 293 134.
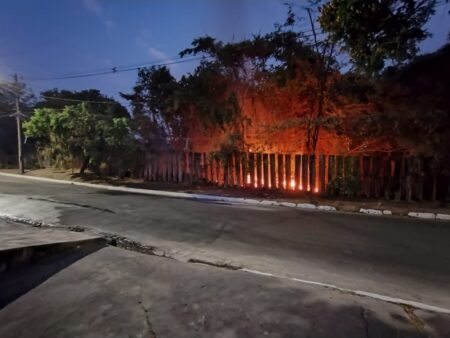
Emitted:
pixel 128 244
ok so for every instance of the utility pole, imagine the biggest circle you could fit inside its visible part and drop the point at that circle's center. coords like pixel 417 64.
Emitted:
pixel 19 128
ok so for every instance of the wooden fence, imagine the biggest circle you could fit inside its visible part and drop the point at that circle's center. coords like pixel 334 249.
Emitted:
pixel 391 177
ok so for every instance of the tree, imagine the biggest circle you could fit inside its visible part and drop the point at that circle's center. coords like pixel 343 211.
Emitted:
pixel 258 67
pixel 415 96
pixel 59 99
pixel 81 132
pixel 309 65
pixel 151 105
pixel 207 93
pixel 374 31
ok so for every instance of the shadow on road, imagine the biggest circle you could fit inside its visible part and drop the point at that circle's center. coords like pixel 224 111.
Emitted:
pixel 18 281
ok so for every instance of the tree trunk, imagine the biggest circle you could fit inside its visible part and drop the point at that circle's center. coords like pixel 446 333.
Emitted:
pixel 84 165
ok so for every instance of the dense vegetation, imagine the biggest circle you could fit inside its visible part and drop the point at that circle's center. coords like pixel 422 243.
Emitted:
pixel 97 131
pixel 389 96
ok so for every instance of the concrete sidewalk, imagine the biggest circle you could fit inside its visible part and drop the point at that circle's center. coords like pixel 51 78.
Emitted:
pixel 21 244
pixel 17 236
pixel 110 292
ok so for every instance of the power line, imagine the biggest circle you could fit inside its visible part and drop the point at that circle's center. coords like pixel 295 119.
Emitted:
pixel 114 70
pixel 76 100
pixel 121 69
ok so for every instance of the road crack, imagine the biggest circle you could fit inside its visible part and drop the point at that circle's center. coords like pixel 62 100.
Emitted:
pixel 123 242
pixel 151 332
pixel 363 313
pixel 217 265
pixel 413 318
pixel 71 203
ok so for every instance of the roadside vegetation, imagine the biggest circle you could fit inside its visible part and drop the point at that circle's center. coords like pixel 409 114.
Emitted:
pixel 347 74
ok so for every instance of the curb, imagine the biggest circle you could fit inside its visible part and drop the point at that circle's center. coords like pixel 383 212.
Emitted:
pixel 172 194
pixel 241 200
pixel 415 214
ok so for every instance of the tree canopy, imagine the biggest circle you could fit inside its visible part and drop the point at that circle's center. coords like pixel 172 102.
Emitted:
pixel 81 132
pixel 374 32
pixel 59 99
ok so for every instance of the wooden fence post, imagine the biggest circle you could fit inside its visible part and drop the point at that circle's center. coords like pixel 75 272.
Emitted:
pixel 237 169
pixel 280 163
pixel 420 177
pixel 245 172
pixel 312 172
pixel 408 179
pixel 297 171
pixel 389 173
pixel 273 173
pixel 376 164
pixel 259 169
pixel 398 178
pixel 251 169
pixel 331 166
pixel 214 171
pixel 265 163
pixel 305 170
pixel 202 167
pixel 287 166
pixel 321 174
pixel 164 167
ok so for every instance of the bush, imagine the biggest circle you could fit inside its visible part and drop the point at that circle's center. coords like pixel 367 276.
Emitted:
pixel 343 186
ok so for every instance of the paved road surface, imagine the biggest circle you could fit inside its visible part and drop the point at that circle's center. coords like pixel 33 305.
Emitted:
pixel 93 290
pixel 398 257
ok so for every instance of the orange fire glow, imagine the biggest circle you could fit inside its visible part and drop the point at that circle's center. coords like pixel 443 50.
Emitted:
pixel 292 184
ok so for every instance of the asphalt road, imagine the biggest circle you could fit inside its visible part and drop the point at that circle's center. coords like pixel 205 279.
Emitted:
pixel 397 257
pixel 101 291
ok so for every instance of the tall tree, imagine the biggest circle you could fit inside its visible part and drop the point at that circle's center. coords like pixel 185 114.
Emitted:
pixel 374 32
pixel 151 101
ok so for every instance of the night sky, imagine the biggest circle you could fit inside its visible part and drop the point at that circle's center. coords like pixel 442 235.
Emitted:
pixel 48 38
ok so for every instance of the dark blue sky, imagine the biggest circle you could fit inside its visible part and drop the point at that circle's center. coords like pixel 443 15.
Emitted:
pixel 47 38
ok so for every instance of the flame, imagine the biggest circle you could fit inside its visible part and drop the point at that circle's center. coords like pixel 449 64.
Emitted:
pixel 316 189
pixel 301 187
pixel 249 179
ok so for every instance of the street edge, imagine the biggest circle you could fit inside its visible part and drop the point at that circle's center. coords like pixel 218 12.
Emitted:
pixel 388 299
pixel 249 201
